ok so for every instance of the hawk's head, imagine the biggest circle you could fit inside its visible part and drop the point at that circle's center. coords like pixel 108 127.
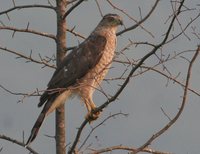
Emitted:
pixel 111 20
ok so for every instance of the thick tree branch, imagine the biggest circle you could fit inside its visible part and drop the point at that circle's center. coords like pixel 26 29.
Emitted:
pixel 60 135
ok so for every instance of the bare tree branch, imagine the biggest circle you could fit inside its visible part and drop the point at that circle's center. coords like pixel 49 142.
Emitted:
pixel 72 149
pixel 100 124
pixel 18 143
pixel 29 58
pixel 183 29
pixel 75 33
pixel 11 92
pixel 26 6
pixel 27 30
pixel 184 101
pixel 72 1
pixel 99 8
pixel 121 147
pixel 174 10
pixel 72 8
pixel 34 93
pixel 152 68
pixel 141 21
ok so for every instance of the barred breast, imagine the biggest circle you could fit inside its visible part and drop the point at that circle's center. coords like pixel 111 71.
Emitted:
pixel 94 77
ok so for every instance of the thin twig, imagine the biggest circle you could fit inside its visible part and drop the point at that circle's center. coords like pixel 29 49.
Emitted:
pixel 72 8
pixel 75 33
pixel 174 12
pixel 141 21
pixel 99 8
pixel 163 111
pixel 183 29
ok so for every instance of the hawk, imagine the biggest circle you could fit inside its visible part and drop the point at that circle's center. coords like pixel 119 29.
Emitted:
pixel 81 71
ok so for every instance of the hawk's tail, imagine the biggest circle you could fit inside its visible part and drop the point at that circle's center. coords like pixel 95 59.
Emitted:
pixel 38 123
pixel 35 128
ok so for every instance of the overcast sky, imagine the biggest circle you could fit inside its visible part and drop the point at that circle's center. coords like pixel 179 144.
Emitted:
pixel 142 99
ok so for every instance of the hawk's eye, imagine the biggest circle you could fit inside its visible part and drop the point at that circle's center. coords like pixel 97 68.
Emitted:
pixel 111 19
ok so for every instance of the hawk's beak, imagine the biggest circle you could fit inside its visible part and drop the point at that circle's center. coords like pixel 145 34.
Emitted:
pixel 121 22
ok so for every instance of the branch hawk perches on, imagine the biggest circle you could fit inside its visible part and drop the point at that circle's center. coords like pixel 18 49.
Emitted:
pixel 81 71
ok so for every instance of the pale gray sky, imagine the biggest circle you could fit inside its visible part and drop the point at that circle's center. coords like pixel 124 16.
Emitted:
pixel 142 98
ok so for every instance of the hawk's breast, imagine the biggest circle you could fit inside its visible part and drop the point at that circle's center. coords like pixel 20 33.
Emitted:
pixel 94 77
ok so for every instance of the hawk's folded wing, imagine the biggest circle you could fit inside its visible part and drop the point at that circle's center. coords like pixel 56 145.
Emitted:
pixel 75 65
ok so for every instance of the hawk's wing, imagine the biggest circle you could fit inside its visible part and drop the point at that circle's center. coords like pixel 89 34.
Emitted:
pixel 76 64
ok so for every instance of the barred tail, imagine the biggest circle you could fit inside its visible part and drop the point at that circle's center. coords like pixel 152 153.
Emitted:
pixel 51 104
pixel 36 128
pixel 38 123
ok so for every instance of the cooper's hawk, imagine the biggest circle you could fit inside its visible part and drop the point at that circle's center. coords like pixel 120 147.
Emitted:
pixel 81 71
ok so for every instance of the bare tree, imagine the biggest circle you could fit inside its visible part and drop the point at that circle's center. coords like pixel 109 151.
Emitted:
pixel 153 42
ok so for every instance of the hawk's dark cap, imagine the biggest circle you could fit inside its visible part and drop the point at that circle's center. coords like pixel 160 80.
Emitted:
pixel 115 16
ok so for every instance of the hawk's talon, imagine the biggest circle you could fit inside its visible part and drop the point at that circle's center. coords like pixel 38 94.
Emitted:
pixel 92 115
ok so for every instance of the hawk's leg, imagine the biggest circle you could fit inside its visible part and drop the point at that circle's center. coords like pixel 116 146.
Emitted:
pixel 91 107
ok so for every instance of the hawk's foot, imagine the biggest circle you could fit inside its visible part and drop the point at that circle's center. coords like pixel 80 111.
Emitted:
pixel 92 115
